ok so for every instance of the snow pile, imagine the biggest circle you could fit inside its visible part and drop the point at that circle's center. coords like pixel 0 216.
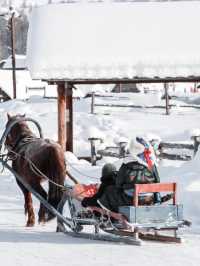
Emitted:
pixel 114 40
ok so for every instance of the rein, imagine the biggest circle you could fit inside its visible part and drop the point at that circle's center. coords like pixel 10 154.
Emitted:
pixel 33 167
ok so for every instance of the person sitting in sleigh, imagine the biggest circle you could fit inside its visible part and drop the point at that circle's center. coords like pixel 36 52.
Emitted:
pixel 108 176
pixel 117 187
pixel 89 194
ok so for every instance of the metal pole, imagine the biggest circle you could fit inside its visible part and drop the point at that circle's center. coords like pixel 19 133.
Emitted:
pixel 12 22
pixel 166 98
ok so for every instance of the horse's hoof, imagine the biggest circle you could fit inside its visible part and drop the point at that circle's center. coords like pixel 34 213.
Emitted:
pixel 41 221
pixel 30 224
pixel 49 217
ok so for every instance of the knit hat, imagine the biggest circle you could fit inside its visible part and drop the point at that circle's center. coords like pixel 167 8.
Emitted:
pixel 142 151
pixel 108 169
pixel 135 147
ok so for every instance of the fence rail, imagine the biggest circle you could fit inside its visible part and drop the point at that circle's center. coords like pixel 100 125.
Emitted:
pixel 186 152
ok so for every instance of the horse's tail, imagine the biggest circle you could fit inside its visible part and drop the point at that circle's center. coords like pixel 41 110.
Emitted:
pixel 56 173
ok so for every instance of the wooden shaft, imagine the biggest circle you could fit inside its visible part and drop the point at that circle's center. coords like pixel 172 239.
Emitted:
pixel 72 177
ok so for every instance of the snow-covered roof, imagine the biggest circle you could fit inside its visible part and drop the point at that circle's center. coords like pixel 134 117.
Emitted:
pixel 114 40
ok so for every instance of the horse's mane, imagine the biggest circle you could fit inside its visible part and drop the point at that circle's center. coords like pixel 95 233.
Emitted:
pixel 24 130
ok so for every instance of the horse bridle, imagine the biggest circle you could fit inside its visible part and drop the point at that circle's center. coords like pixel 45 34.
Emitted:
pixel 13 123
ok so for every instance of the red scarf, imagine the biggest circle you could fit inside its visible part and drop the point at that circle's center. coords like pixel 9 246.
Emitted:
pixel 147 156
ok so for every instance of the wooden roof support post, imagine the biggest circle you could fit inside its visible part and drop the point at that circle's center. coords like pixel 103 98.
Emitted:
pixel 120 87
pixel 69 117
pixel 12 26
pixel 61 115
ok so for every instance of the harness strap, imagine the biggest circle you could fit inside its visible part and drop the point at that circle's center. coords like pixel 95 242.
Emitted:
pixel 22 141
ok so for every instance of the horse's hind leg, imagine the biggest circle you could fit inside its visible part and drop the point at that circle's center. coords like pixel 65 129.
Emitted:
pixel 42 210
pixel 28 205
pixel 54 196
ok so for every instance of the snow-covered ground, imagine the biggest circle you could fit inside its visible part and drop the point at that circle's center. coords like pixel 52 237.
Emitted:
pixel 41 245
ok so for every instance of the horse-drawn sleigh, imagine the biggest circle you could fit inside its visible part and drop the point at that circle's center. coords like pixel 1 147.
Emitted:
pixel 130 224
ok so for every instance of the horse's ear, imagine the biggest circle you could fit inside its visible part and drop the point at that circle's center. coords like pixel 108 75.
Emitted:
pixel 9 116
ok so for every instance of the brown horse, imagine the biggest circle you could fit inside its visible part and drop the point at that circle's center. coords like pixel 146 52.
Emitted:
pixel 34 159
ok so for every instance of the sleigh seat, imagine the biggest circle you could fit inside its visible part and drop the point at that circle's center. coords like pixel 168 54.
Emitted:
pixel 157 215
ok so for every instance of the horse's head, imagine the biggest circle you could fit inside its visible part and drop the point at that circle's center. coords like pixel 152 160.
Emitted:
pixel 18 129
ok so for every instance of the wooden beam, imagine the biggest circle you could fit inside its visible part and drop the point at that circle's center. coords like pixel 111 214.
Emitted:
pixel 129 80
pixel 61 114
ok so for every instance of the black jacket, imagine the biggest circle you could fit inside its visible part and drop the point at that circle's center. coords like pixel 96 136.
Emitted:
pixel 132 173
